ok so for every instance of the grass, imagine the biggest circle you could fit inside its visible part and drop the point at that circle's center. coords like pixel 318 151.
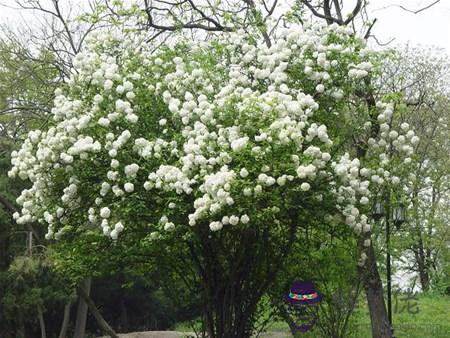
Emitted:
pixel 428 317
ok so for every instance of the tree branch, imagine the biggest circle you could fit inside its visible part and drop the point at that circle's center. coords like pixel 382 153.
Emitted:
pixel 319 15
pixel 97 315
pixel 418 10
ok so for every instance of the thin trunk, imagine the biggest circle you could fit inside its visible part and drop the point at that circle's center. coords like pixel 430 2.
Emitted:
pixel 104 326
pixel 20 332
pixel 41 321
pixel 82 310
pixel 30 243
pixel 423 271
pixel 419 253
pixel 65 322
pixel 424 281
pixel 124 322
pixel 5 257
pixel 375 301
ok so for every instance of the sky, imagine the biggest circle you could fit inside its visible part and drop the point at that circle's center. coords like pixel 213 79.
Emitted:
pixel 430 27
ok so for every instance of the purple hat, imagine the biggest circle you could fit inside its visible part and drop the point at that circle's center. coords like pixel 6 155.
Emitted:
pixel 302 292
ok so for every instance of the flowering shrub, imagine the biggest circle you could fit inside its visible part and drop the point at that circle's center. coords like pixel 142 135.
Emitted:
pixel 216 153
pixel 219 134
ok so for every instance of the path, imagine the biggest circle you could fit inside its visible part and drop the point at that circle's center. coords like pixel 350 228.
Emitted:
pixel 175 334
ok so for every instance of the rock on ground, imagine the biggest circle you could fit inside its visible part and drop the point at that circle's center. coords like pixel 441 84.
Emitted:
pixel 155 334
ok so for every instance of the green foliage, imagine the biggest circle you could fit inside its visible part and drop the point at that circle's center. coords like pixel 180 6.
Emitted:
pixel 420 77
pixel 27 82
pixel 328 261
pixel 29 284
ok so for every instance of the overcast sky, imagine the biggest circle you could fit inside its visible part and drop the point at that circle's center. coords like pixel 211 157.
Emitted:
pixel 429 27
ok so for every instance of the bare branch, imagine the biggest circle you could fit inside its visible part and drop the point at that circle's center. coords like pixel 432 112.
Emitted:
pixel 366 36
pixel 64 23
pixel 337 8
pixel 329 18
pixel 354 13
pixel 216 27
pixel 381 43
pixel 418 10
pixel 204 16
pixel 261 25
pixel 272 9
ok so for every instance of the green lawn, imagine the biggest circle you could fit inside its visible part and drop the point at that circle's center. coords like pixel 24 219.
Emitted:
pixel 428 317
pixel 432 319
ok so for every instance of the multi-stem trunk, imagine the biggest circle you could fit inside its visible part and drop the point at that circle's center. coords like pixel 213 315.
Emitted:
pixel 82 310
pixel 235 274
pixel 66 319
pixel 40 312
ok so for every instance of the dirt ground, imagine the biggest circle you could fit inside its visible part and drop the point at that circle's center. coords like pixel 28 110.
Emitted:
pixel 154 334
pixel 175 334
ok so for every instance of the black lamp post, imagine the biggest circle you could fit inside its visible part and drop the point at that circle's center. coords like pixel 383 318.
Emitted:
pixel 397 217
pixel 377 211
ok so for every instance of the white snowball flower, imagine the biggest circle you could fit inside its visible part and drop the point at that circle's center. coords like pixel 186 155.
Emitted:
pixel 114 234
pixel 245 219
pixel 364 200
pixel 305 186
pixel 119 227
pixel 131 170
pixel 243 172
pixel 128 187
pixel 234 220
pixel 105 212
pixel 239 144
pixel 169 226
pixel 132 118
pixel 215 226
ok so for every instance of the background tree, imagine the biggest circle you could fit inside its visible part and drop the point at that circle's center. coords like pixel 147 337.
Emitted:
pixel 422 77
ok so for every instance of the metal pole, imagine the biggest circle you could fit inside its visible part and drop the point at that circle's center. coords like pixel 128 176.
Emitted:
pixel 30 243
pixel 388 267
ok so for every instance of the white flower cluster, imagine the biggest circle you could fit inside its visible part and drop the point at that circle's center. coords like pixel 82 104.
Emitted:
pixel 204 137
pixel 352 187
pixel 216 189
pixel 360 70
pixel 169 178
